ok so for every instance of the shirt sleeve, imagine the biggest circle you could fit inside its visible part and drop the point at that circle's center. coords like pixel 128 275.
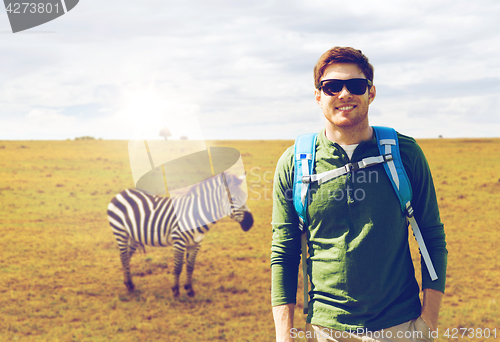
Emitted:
pixel 426 211
pixel 285 248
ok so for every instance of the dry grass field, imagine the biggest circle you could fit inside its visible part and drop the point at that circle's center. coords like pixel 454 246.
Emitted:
pixel 61 278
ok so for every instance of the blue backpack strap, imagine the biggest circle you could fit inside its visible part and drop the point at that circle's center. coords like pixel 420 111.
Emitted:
pixel 387 141
pixel 304 156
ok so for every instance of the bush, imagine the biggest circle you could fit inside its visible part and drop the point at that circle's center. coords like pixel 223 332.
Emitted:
pixel 85 138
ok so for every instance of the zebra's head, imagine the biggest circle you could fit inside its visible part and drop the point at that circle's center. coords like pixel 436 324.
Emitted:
pixel 244 217
pixel 239 210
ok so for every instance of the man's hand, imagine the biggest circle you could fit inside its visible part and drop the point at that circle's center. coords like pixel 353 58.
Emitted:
pixel 430 308
pixel 283 321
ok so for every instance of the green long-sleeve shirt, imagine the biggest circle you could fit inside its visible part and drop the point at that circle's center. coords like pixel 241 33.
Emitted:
pixel 359 263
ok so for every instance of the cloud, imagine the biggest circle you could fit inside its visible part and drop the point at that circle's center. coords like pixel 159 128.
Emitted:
pixel 245 68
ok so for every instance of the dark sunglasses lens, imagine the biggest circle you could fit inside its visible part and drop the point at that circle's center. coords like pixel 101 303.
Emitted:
pixel 332 87
pixel 355 86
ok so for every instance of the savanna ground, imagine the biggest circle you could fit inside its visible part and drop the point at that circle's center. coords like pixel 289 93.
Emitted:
pixel 61 277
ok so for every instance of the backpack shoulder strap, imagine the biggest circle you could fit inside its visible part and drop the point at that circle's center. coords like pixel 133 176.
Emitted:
pixel 304 156
pixel 387 141
pixel 388 144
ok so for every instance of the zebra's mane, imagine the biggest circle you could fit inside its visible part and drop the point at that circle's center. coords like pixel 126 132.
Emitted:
pixel 205 193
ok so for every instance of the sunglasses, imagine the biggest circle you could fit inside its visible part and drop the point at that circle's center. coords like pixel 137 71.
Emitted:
pixel 356 86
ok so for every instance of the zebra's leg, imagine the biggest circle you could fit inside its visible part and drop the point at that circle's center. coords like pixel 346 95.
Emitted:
pixel 132 246
pixel 192 251
pixel 179 251
pixel 142 247
pixel 125 255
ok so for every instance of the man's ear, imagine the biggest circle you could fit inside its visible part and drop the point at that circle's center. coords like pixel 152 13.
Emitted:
pixel 371 94
pixel 317 96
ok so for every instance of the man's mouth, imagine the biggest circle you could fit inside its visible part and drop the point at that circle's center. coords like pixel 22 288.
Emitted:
pixel 345 108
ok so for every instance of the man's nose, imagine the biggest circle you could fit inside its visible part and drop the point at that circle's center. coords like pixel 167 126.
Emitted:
pixel 344 93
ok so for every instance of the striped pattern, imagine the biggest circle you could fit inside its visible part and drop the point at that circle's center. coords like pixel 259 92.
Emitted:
pixel 138 219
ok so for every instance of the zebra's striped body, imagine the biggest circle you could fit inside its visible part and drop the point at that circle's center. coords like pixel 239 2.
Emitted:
pixel 139 219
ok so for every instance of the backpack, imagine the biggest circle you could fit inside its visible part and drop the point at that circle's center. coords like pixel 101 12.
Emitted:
pixel 387 142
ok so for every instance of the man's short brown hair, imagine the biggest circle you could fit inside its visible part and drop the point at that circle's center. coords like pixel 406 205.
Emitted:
pixel 342 55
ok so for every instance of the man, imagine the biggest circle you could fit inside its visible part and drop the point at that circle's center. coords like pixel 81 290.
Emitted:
pixel 362 277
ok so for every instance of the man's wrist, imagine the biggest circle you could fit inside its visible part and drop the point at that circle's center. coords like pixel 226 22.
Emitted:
pixel 283 320
pixel 430 308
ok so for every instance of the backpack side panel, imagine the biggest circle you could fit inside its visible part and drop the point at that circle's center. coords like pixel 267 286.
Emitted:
pixel 304 145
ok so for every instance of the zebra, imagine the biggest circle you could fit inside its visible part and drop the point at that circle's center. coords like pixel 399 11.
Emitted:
pixel 138 218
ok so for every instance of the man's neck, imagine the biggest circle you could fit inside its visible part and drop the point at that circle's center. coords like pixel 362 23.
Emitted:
pixel 349 136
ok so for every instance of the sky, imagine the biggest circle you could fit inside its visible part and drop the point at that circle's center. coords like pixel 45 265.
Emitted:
pixel 243 69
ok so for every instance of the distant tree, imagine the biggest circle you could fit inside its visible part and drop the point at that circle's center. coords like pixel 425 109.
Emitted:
pixel 165 132
pixel 184 137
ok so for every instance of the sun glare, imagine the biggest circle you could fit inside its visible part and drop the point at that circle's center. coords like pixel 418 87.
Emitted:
pixel 146 112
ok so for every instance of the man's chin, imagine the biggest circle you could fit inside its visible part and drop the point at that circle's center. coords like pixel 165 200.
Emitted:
pixel 346 122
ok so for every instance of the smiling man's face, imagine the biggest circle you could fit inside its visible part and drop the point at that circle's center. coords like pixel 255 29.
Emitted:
pixel 344 110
